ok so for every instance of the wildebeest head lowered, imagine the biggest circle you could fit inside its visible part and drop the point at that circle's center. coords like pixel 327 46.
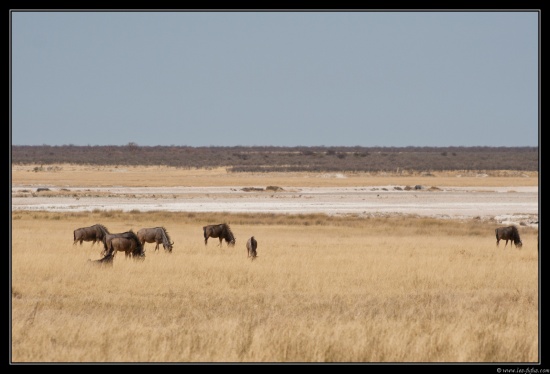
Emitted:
pixel 95 233
pixel 126 242
pixel 251 246
pixel 157 235
pixel 508 233
pixel 221 231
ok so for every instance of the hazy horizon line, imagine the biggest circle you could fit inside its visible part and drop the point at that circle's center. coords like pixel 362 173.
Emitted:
pixel 133 144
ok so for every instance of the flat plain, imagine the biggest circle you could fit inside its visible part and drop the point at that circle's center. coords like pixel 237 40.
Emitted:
pixel 355 280
pixel 65 188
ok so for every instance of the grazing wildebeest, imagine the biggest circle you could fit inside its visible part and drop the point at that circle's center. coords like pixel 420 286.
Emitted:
pixel 93 234
pixel 107 260
pixel 156 235
pixel 508 233
pixel 221 231
pixel 251 246
pixel 126 242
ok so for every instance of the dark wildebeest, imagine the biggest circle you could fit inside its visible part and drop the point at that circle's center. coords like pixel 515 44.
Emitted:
pixel 508 233
pixel 221 231
pixel 93 234
pixel 105 261
pixel 251 246
pixel 155 235
pixel 126 242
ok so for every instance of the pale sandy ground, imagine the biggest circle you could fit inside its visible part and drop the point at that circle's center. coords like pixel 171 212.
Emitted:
pixel 507 205
pixel 505 196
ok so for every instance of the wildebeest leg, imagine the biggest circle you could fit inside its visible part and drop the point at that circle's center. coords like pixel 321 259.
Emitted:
pixel 107 250
pixel 221 239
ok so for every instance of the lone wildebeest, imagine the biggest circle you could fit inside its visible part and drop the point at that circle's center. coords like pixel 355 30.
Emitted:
pixel 508 233
pixel 93 234
pixel 221 231
pixel 251 246
pixel 156 235
pixel 126 242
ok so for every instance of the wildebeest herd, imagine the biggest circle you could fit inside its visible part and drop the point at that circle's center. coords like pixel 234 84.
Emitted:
pixel 133 244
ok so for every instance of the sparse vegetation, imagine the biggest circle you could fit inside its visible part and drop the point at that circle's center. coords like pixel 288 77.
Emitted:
pixel 287 159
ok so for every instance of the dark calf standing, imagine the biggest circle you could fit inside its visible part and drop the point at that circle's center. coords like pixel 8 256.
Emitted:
pixel 251 246
pixel 508 233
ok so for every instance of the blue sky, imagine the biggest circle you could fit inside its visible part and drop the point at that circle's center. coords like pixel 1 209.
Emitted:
pixel 362 78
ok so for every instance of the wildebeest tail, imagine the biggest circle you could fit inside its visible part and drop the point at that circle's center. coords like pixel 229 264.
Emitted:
pixel 139 246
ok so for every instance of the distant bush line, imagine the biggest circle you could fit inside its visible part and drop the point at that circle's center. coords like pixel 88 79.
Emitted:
pixel 287 159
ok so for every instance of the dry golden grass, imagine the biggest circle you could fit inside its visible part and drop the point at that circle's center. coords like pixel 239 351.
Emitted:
pixel 163 176
pixel 323 289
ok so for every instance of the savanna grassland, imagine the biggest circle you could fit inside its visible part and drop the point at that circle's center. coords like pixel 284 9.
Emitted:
pixel 323 288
